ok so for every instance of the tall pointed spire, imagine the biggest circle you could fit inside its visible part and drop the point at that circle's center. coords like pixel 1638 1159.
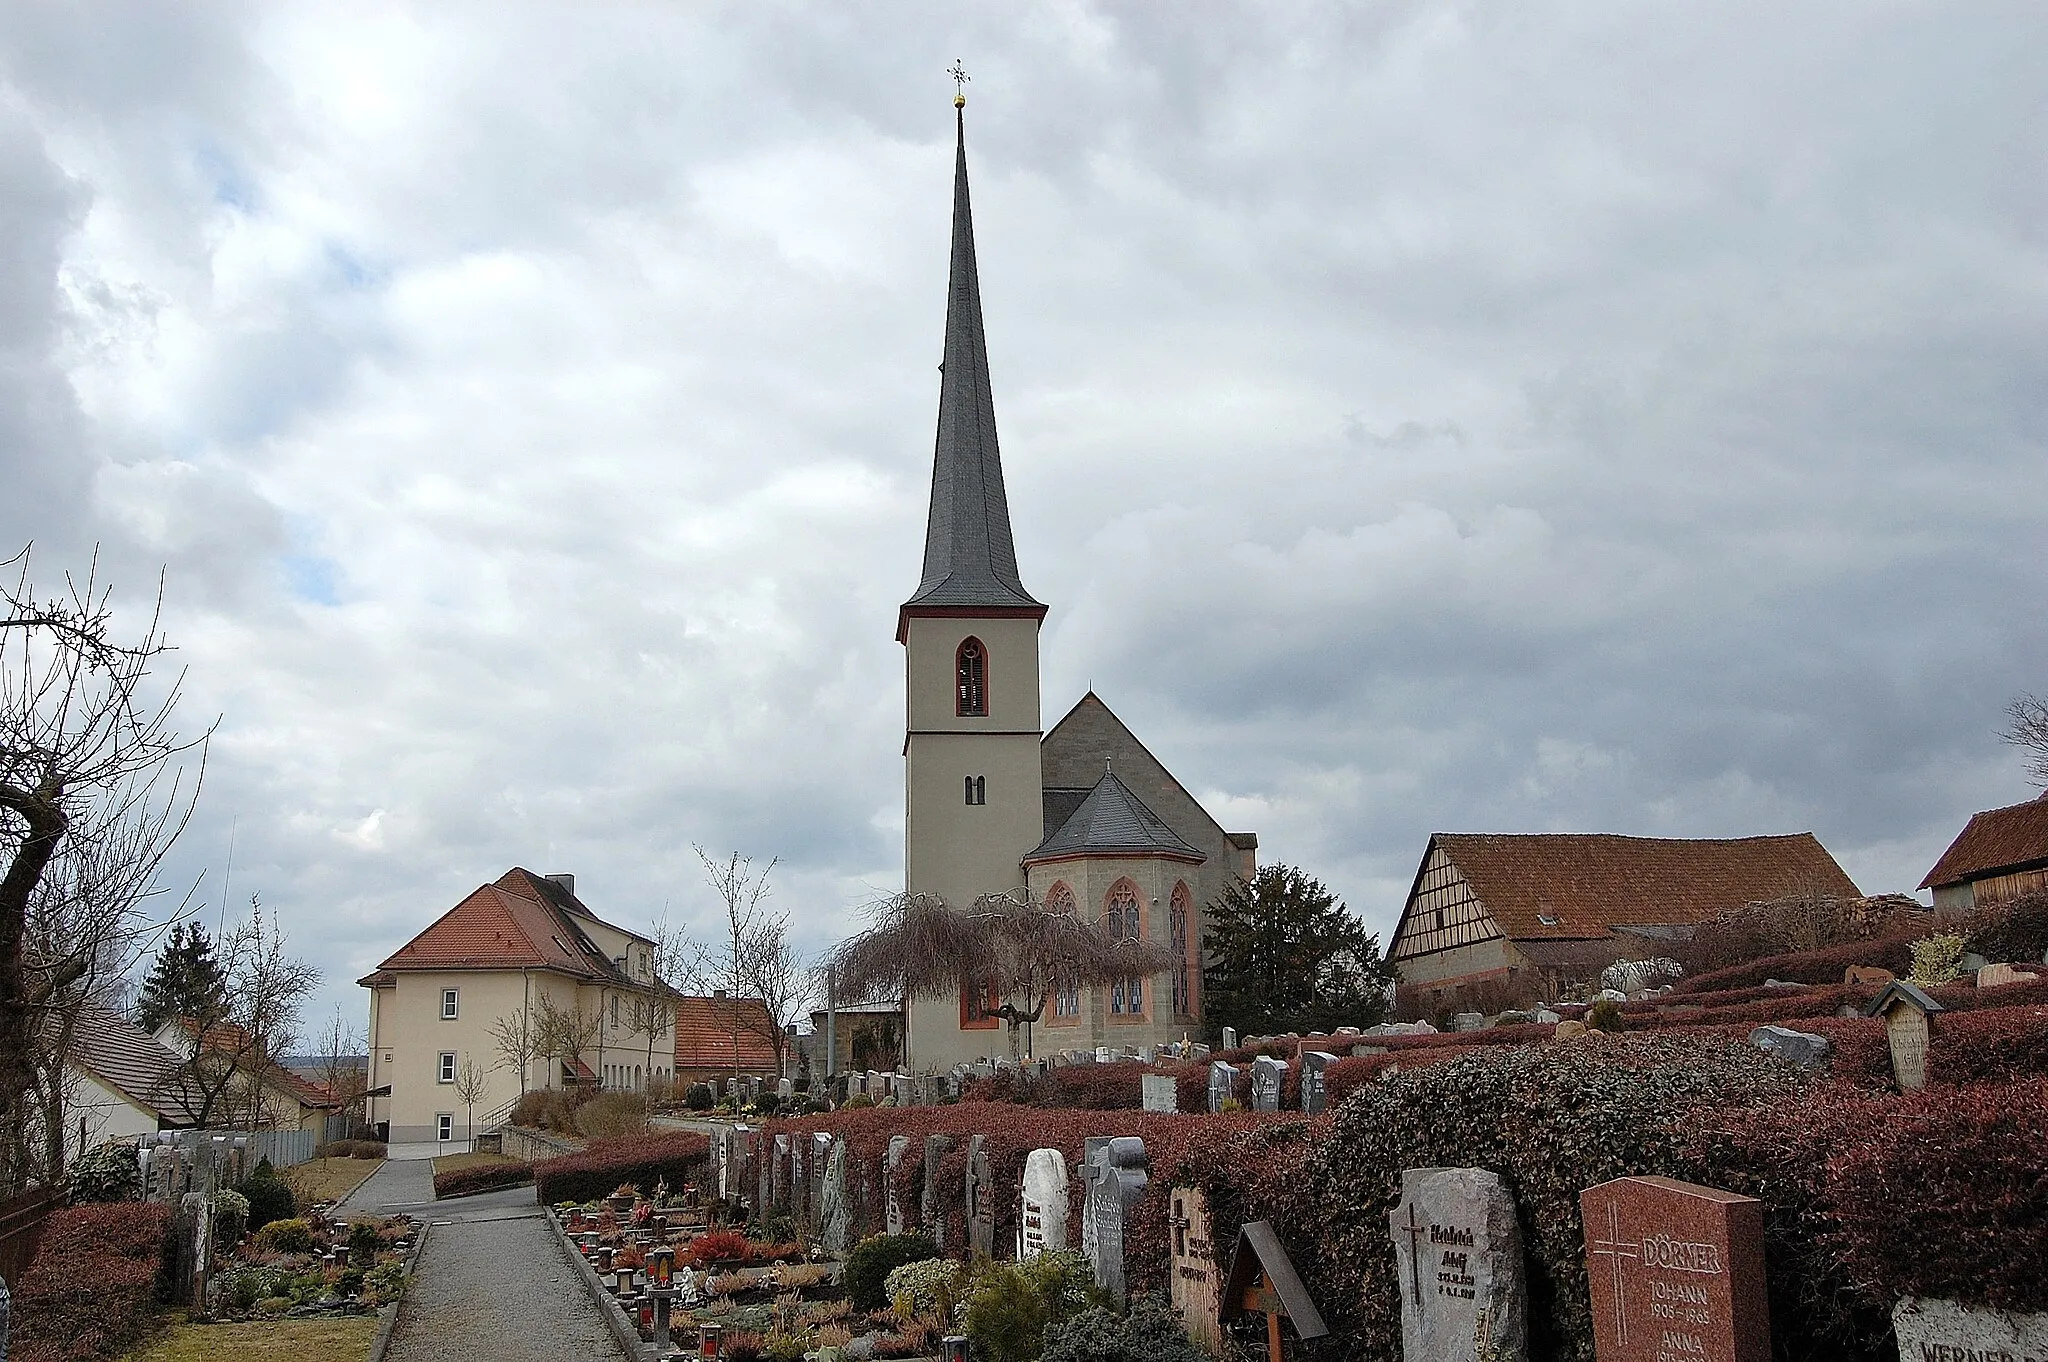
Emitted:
pixel 970 559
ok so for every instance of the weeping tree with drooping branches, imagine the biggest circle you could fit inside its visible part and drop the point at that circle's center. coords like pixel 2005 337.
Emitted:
pixel 1011 945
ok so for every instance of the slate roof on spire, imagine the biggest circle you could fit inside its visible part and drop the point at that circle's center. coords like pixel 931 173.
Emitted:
pixel 969 556
pixel 1113 822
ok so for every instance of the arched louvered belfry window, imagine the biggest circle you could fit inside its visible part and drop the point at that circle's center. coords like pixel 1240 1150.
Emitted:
pixel 1066 994
pixel 970 689
pixel 1124 920
pixel 1180 927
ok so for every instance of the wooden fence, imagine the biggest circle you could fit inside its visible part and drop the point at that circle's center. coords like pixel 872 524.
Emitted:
pixel 21 1225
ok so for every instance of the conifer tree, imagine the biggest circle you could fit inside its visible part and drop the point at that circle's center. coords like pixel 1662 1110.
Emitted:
pixel 1282 953
pixel 185 981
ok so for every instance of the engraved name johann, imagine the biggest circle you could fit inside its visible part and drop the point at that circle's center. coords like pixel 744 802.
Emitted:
pixel 1679 1309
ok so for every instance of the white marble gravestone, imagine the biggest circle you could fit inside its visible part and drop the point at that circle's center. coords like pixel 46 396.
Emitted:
pixel 892 1200
pixel 1161 1092
pixel 1042 1212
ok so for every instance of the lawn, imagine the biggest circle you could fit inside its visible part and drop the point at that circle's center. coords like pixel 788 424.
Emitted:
pixel 448 1163
pixel 327 1179
pixel 335 1339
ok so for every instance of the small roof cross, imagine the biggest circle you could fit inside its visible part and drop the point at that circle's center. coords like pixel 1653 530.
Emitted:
pixel 960 79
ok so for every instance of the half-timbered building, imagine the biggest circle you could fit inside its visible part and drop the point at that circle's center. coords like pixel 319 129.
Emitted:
pixel 1544 909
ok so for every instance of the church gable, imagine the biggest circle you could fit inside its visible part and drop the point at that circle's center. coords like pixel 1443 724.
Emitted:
pixel 1091 740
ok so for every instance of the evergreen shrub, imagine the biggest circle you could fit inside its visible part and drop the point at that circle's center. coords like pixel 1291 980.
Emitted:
pixel 869 1263
pixel 107 1172
pixel 269 1198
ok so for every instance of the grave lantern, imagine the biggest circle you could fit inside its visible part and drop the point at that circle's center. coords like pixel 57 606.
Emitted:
pixel 1905 1010
pixel 661 1266
pixel 710 1344
pixel 956 1348
pixel 1263 1281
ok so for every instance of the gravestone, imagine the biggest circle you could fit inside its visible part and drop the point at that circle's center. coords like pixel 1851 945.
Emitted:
pixel 892 1199
pixel 1458 1257
pixel 1195 1050
pixel 872 1085
pixel 1994 976
pixel 1269 1080
pixel 1147 1053
pixel 1468 1021
pixel 1808 1051
pixel 1192 1275
pixel 821 1158
pixel 1115 1175
pixel 1315 1084
pixel 1676 1270
pixel 784 1090
pixel 981 1199
pixel 764 1178
pixel 1222 1084
pixel 799 1182
pixel 1161 1092
pixel 1571 1028
pixel 1905 1009
pixel 1230 1038
pixel 1042 1210
pixel 778 1191
pixel 744 1159
pixel 1105 1055
pixel 1545 1017
pixel 932 1207
pixel 1944 1331
pixel 835 1213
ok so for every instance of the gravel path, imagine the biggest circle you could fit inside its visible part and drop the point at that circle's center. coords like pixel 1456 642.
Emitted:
pixel 500 1288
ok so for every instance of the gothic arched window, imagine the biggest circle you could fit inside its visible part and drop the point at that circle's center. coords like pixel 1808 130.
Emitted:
pixel 1179 925
pixel 970 689
pixel 1124 920
pixel 1066 994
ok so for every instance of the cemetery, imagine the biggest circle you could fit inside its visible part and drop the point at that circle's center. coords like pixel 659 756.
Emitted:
pixel 1809 1155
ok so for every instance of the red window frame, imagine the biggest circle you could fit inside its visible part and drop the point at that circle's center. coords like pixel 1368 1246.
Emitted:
pixel 977 1007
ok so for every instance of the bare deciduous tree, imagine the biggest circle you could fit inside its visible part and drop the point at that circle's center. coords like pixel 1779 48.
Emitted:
pixel 92 796
pixel 1014 947
pixel 563 1034
pixel 472 1081
pixel 2027 729
pixel 517 1039
pixel 228 1069
pixel 348 1081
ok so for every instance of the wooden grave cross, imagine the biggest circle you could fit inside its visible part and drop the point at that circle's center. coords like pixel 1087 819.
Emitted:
pixel 1263 1281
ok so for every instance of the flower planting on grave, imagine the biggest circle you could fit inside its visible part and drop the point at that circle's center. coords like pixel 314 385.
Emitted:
pixel 311 1265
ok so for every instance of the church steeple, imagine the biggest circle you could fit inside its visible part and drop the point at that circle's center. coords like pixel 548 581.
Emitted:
pixel 970 559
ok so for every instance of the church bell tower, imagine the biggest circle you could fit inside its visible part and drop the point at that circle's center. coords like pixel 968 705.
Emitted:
pixel 973 790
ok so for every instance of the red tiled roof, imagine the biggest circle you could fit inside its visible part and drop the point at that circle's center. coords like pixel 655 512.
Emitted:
pixel 499 928
pixel 1995 840
pixel 1590 883
pixel 704 1034
pixel 227 1038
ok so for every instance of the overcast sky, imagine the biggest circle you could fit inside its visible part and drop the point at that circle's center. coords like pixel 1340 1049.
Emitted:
pixel 1480 417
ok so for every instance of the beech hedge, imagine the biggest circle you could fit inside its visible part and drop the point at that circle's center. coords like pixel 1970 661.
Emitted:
pixel 484 1177
pixel 90 1292
pixel 675 1157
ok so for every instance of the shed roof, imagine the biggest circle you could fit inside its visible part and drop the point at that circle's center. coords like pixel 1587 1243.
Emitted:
pixel 1995 840
pixel 1574 886
pixel 127 1058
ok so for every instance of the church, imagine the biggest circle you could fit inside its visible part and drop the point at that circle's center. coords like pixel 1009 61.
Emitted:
pixel 1083 817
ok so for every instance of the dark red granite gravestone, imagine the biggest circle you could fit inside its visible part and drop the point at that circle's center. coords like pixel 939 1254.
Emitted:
pixel 1677 1272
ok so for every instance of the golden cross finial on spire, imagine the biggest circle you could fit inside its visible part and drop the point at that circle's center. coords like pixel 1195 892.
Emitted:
pixel 960 79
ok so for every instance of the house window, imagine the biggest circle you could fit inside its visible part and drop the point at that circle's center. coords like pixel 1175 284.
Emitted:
pixel 448 1004
pixel 615 1011
pixel 978 1008
pixel 977 789
pixel 1066 994
pixel 444 1126
pixel 447 1067
pixel 1177 918
pixel 970 690
pixel 1124 920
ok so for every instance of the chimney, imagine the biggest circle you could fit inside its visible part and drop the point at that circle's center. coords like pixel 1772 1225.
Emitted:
pixel 568 883
pixel 718 993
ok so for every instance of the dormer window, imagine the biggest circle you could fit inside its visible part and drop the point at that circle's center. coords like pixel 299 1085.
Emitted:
pixel 970 690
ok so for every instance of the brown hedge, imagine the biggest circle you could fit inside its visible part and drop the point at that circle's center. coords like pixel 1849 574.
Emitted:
pixel 675 1157
pixel 90 1293
pixel 485 1177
